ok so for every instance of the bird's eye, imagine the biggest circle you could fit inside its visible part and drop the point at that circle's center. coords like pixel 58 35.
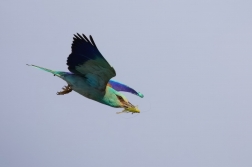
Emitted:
pixel 120 98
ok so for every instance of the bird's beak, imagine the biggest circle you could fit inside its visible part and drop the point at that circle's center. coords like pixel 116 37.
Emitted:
pixel 131 108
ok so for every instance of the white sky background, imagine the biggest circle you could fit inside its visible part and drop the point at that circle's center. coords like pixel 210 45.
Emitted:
pixel 191 59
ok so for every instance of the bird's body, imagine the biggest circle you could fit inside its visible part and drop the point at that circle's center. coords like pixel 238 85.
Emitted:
pixel 82 86
pixel 91 76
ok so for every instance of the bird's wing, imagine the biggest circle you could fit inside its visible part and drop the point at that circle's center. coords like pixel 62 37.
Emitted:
pixel 86 60
pixel 121 87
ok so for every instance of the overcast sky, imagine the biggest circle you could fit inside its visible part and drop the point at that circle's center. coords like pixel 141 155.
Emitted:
pixel 190 58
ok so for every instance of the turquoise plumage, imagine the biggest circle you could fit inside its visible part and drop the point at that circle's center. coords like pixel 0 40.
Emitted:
pixel 90 75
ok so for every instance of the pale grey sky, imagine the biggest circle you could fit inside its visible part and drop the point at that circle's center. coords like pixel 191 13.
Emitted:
pixel 190 58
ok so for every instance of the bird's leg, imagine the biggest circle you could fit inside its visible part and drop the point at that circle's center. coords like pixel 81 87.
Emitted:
pixel 66 89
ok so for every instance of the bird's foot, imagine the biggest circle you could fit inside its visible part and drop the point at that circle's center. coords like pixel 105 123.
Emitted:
pixel 66 89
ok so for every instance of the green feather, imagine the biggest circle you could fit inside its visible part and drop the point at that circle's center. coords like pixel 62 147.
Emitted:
pixel 56 73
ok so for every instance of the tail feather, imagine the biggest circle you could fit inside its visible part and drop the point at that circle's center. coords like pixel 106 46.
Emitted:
pixel 56 73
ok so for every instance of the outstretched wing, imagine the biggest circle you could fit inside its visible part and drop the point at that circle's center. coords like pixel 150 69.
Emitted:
pixel 86 60
pixel 121 87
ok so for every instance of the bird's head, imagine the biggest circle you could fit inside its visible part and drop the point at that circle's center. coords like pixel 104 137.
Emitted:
pixel 121 101
pixel 128 107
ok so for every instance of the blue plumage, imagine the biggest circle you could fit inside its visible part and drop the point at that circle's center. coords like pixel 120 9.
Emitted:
pixel 91 75
pixel 83 50
pixel 122 87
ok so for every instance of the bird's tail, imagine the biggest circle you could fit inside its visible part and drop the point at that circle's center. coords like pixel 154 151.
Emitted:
pixel 56 73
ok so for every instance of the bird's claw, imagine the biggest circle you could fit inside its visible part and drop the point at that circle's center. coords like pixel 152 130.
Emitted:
pixel 66 89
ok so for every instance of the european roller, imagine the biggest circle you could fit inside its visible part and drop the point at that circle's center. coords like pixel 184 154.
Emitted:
pixel 90 75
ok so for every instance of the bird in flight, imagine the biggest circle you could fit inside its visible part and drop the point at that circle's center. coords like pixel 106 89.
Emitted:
pixel 90 75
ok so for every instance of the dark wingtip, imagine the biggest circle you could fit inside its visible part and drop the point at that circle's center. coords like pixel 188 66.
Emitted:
pixel 92 41
pixel 83 50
